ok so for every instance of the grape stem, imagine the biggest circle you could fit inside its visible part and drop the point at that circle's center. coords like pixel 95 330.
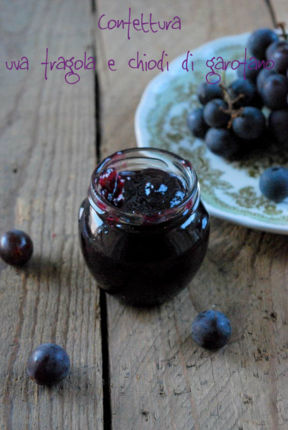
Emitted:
pixel 230 102
pixel 282 27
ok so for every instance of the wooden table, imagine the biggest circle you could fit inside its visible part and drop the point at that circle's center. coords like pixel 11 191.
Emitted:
pixel 131 370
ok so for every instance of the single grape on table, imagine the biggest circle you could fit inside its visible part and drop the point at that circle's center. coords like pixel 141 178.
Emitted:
pixel 48 364
pixel 211 329
pixel 16 247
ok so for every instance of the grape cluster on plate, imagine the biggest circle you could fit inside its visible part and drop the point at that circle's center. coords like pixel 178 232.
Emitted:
pixel 231 119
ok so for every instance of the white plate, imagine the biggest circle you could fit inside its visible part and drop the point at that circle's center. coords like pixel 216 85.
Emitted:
pixel 229 190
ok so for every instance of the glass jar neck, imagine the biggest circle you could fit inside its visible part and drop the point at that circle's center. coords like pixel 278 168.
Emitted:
pixel 136 159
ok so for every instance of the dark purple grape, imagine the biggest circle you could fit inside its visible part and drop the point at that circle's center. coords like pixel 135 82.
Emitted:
pixel 214 113
pixel 274 183
pixel 257 101
pixel 278 124
pixel 259 41
pixel 249 71
pixel 262 76
pixel 250 123
pixel 207 92
pixel 48 364
pixel 275 45
pixel 211 329
pixel 222 142
pixel 196 123
pixel 274 92
pixel 16 247
pixel 280 58
pixel 246 89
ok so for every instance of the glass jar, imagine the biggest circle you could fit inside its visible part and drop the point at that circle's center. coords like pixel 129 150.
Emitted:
pixel 143 260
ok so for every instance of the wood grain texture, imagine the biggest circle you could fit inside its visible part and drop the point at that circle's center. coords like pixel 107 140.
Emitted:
pixel 281 10
pixel 47 153
pixel 159 378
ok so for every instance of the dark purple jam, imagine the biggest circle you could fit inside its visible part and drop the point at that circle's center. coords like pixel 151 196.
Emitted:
pixel 146 191
pixel 147 261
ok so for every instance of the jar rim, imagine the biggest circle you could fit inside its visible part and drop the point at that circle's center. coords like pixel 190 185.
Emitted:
pixel 105 208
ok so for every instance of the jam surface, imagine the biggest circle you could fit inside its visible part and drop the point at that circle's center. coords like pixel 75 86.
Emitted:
pixel 147 191
pixel 143 265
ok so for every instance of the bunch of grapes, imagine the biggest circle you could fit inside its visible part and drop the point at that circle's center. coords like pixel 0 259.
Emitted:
pixel 231 120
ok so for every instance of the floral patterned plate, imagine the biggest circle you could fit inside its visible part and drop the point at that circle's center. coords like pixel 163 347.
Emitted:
pixel 229 190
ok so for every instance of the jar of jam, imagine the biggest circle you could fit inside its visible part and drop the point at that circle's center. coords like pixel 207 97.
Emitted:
pixel 143 229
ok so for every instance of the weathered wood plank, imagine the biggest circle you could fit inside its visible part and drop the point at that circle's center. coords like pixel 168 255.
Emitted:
pixel 159 378
pixel 47 152
pixel 280 9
